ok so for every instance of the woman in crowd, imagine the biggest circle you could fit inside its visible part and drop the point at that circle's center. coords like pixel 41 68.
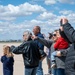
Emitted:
pixel 60 61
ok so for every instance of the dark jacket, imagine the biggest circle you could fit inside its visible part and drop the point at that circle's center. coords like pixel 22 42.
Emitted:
pixel 30 52
pixel 41 46
pixel 8 63
pixel 70 58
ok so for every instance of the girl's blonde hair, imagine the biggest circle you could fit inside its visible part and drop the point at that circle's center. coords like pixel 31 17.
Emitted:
pixel 6 50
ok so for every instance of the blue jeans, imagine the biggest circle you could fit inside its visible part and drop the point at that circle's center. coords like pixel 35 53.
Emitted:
pixel 30 71
pixel 58 71
pixel 53 71
pixel 39 69
pixel 53 55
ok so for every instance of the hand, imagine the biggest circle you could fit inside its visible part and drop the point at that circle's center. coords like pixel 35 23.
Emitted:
pixel 64 21
pixel 58 54
pixel 34 37
pixel 61 28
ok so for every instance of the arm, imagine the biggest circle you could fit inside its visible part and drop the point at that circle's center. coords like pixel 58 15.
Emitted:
pixel 69 31
pixel 2 59
pixel 64 36
pixel 20 49
pixel 45 42
pixel 62 52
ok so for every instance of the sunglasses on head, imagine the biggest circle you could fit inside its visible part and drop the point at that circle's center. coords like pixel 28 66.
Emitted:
pixel 54 34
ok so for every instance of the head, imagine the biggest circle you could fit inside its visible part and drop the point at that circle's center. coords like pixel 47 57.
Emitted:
pixel 27 35
pixel 55 35
pixel 36 30
pixel 6 49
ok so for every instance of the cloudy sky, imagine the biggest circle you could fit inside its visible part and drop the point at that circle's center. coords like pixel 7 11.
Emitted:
pixel 16 16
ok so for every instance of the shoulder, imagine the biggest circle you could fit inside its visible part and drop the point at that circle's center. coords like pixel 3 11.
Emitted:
pixel 33 42
pixel 3 56
pixel 40 35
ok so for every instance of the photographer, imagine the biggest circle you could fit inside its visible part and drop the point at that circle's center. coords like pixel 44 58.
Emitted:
pixel 70 58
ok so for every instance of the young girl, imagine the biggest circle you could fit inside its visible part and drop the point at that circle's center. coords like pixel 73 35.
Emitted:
pixel 7 60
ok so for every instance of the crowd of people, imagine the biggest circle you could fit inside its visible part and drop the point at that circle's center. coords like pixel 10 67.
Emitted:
pixel 60 51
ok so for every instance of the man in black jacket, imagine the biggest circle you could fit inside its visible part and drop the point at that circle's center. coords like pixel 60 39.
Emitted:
pixel 70 58
pixel 30 51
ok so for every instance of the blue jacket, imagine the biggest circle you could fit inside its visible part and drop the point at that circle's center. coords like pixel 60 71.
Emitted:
pixel 7 65
pixel 41 46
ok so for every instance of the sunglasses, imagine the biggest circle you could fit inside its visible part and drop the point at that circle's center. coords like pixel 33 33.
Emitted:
pixel 23 35
pixel 54 34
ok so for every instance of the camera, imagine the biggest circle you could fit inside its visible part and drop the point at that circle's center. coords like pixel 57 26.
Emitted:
pixel 61 23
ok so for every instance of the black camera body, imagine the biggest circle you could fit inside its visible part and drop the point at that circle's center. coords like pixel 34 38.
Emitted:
pixel 61 23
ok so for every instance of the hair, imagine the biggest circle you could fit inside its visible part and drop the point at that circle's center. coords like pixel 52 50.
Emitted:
pixel 56 30
pixel 28 34
pixel 57 33
pixel 38 27
pixel 6 50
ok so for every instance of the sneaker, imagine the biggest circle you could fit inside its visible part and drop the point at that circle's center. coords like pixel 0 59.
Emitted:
pixel 53 65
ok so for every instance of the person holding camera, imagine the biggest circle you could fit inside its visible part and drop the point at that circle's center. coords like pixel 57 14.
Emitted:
pixel 70 58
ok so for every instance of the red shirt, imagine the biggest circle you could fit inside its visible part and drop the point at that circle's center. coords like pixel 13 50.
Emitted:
pixel 61 43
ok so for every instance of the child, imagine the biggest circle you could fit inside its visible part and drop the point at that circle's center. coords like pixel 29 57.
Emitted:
pixel 60 44
pixel 7 60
